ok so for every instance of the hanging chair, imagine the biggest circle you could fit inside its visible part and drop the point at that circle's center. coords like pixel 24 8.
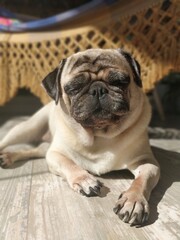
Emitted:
pixel 9 21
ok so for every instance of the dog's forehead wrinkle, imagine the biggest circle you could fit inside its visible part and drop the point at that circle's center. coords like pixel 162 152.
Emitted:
pixel 94 61
pixel 77 61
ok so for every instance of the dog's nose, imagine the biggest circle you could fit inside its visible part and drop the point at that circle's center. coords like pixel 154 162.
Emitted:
pixel 98 90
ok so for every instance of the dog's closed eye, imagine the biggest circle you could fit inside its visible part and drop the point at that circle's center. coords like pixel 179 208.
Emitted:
pixel 118 79
pixel 75 86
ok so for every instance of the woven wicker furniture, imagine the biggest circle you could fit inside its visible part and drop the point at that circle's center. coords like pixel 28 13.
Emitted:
pixel 148 29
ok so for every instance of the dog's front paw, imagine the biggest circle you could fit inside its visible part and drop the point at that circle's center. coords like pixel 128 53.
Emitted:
pixel 132 208
pixel 5 159
pixel 85 184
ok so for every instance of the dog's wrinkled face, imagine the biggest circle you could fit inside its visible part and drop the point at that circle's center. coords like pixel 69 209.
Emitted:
pixel 95 85
pixel 98 90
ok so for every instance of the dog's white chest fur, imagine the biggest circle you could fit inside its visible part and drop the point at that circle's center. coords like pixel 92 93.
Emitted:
pixel 98 159
pixel 95 159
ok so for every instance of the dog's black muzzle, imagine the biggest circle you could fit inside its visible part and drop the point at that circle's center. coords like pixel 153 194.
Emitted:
pixel 98 90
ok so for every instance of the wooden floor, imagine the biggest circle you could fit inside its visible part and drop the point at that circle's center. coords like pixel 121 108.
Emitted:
pixel 35 204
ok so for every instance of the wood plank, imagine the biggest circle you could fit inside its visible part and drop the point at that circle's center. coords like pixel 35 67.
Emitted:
pixel 15 184
pixel 15 187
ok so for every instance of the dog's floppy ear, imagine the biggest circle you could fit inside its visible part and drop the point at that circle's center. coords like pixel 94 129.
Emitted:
pixel 134 66
pixel 51 82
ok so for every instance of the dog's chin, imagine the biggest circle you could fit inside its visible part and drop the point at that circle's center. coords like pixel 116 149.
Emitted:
pixel 99 116
pixel 98 121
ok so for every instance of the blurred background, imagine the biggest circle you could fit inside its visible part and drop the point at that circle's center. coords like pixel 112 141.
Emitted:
pixel 41 9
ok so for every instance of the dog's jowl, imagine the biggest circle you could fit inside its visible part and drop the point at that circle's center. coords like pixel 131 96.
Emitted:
pixel 97 122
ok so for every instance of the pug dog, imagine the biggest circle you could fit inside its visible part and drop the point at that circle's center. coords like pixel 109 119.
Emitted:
pixel 97 123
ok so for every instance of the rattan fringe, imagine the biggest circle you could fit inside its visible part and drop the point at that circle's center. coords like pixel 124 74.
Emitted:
pixel 150 34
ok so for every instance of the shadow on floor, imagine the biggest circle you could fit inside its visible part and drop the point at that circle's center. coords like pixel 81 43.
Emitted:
pixel 170 168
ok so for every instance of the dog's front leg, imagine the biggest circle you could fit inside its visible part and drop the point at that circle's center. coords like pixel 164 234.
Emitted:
pixel 8 158
pixel 78 179
pixel 132 206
